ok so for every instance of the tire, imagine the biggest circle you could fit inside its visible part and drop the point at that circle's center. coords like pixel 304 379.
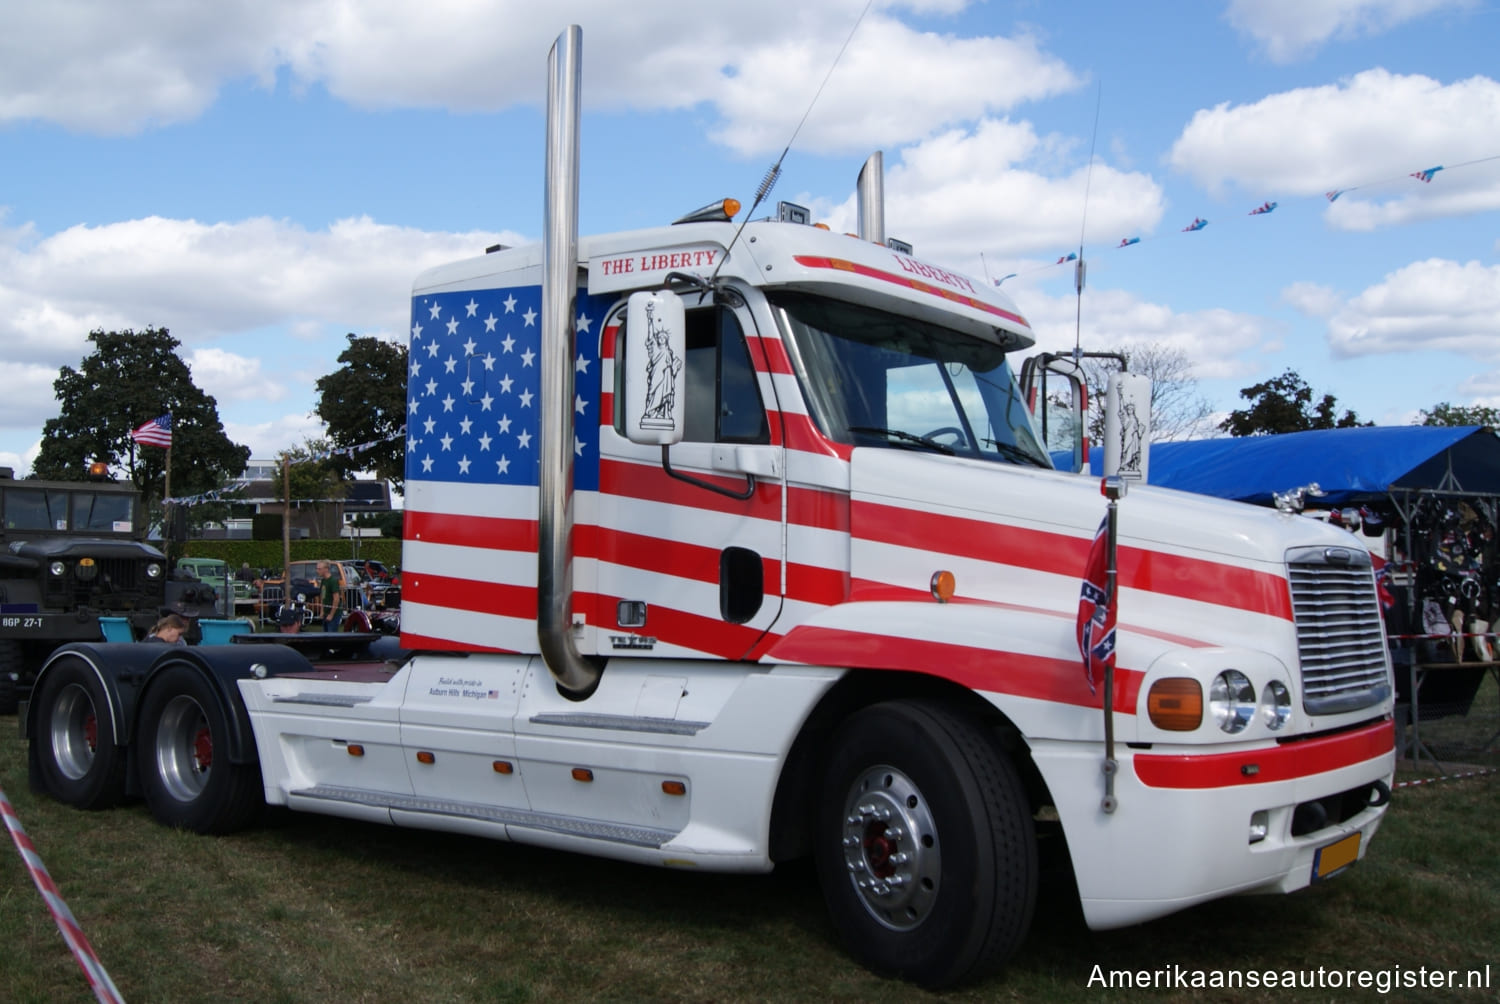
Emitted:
pixel 12 666
pixel 78 755
pixel 925 846
pixel 183 724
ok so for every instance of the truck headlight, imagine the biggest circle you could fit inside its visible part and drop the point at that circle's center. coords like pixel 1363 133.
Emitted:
pixel 1232 700
pixel 88 569
pixel 153 571
pixel 1275 705
pixel 58 569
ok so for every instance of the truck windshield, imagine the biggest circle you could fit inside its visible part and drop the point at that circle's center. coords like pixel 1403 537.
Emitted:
pixel 35 509
pixel 877 379
pixel 103 513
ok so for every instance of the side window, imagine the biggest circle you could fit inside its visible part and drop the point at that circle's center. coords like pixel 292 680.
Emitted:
pixel 723 398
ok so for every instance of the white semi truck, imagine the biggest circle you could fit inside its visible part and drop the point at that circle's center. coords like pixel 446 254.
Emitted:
pixel 732 544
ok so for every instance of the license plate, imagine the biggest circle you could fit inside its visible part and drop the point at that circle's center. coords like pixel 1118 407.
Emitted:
pixel 1335 857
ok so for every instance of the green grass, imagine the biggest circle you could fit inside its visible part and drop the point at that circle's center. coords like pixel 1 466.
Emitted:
pixel 313 909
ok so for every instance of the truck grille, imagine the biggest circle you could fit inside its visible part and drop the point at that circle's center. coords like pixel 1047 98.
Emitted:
pixel 120 573
pixel 1340 634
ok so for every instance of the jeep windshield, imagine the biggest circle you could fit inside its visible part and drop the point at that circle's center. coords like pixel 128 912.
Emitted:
pixel 873 378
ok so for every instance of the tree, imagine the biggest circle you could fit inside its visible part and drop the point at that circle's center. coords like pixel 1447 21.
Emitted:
pixel 1178 411
pixel 315 481
pixel 364 401
pixel 1285 404
pixel 127 380
pixel 1465 414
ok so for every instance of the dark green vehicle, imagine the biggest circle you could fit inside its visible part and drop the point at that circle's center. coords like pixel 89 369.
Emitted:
pixel 71 553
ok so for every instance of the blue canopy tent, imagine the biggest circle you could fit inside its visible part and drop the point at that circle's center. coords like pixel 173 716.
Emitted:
pixel 1360 466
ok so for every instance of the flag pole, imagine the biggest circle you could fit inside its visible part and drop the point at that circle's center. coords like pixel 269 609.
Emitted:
pixel 1114 490
pixel 166 511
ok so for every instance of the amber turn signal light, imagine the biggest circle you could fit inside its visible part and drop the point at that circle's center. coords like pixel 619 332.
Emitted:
pixel 1175 704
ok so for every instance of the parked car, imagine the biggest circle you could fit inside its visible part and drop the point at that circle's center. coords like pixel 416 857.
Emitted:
pixel 353 581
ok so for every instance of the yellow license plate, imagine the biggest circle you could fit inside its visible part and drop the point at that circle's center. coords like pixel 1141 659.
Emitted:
pixel 1335 857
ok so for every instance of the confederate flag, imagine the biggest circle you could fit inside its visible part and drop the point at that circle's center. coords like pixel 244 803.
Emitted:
pixel 1096 611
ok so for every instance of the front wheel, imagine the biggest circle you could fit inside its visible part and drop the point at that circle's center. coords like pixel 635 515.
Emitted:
pixel 76 746
pixel 926 851
pixel 181 746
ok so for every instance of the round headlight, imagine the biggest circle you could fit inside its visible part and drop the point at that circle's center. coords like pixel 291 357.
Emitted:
pixel 1231 698
pixel 58 569
pixel 153 571
pixel 1275 705
pixel 88 569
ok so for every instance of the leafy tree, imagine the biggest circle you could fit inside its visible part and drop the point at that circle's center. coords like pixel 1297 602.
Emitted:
pixel 127 380
pixel 1285 404
pixel 364 401
pixel 314 483
pixel 1178 411
pixel 1465 414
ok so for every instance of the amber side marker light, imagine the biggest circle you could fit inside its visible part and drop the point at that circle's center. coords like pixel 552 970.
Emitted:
pixel 425 757
pixel 355 749
pixel 504 767
pixel 674 787
pixel 1175 704
pixel 582 774
pixel 943 585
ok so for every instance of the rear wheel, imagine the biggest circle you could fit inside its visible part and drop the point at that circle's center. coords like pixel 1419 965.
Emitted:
pixel 76 746
pixel 925 848
pixel 181 744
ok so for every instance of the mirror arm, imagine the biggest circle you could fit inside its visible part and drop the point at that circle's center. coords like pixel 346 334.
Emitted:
pixel 666 464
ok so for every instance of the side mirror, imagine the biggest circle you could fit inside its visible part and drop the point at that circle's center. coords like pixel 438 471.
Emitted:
pixel 1057 397
pixel 655 381
pixel 1127 426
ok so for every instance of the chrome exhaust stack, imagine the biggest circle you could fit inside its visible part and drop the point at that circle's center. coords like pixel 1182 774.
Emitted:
pixel 871 197
pixel 554 579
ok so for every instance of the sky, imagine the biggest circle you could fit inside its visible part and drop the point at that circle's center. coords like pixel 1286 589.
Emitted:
pixel 263 177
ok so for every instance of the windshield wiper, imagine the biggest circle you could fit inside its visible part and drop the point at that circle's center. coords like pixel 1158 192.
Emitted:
pixel 1016 453
pixel 910 437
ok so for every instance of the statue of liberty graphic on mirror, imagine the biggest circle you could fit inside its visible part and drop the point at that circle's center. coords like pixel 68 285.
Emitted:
pixel 662 367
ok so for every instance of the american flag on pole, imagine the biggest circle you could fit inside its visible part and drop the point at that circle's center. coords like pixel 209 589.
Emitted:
pixel 157 432
pixel 1096 611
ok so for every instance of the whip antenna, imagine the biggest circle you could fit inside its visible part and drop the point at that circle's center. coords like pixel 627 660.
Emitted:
pixel 769 181
pixel 1080 271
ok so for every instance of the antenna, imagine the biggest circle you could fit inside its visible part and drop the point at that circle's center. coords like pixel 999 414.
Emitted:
pixel 769 181
pixel 1080 271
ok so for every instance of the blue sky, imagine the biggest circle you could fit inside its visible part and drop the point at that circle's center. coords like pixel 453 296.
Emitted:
pixel 263 176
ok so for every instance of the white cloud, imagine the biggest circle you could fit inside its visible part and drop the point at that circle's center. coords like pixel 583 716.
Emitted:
pixel 989 189
pixel 205 283
pixel 1312 299
pixel 1370 130
pixel 868 101
pixel 1290 29
pixel 1212 341
pixel 1428 305
pixel 267 439
pixel 102 67
pixel 229 376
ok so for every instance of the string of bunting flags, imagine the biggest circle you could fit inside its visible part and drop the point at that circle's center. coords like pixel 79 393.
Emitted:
pixel 223 493
pixel 1266 208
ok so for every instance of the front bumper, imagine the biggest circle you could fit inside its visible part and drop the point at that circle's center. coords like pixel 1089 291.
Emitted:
pixel 1180 834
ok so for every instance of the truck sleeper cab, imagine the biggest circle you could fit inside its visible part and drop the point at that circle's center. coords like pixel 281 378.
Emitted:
pixel 778 676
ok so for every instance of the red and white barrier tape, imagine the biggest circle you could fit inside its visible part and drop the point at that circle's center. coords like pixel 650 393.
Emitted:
pixel 99 981
pixel 1446 777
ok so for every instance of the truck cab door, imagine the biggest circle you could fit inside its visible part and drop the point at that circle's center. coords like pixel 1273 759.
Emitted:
pixel 690 537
